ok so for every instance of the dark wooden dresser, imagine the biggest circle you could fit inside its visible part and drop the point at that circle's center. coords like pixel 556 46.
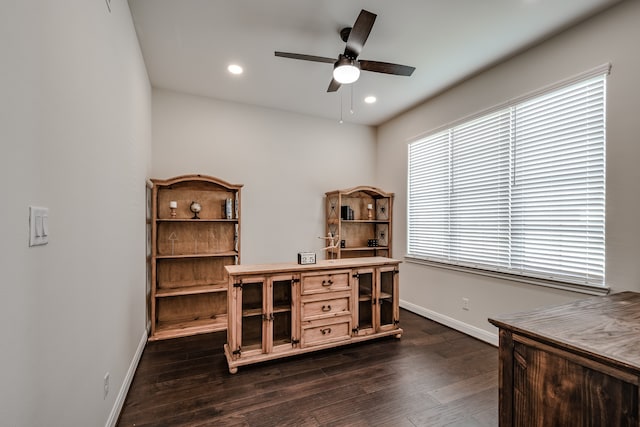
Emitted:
pixel 576 364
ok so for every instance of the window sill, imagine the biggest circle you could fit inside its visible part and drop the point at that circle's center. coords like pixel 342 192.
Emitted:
pixel 573 287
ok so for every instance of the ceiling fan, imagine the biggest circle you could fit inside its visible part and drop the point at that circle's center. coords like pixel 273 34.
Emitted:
pixel 346 69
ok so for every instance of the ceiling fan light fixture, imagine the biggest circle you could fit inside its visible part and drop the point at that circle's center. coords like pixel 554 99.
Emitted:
pixel 235 69
pixel 346 70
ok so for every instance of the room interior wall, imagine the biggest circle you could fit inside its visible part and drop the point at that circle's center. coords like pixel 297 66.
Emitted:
pixel 76 132
pixel 76 124
pixel 605 38
pixel 18 139
pixel 286 162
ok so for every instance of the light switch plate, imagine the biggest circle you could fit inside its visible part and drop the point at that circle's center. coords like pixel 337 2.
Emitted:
pixel 38 226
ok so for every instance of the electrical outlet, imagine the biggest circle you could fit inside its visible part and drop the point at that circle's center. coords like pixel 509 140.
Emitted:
pixel 465 304
pixel 106 385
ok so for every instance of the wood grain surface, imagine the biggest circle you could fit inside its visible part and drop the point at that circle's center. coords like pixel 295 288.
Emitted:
pixel 433 376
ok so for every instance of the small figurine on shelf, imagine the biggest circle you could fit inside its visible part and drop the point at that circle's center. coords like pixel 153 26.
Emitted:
pixel 370 211
pixel 333 242
pixel 173 205
pixel 195 208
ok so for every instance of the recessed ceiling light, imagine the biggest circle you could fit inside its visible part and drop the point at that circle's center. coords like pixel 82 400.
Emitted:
pixel 370 99
pixel 234 69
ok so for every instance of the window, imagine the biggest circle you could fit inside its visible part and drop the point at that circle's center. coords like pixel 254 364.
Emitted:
pixel 520 190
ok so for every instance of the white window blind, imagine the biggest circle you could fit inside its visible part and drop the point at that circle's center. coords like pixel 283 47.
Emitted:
pixel 520 190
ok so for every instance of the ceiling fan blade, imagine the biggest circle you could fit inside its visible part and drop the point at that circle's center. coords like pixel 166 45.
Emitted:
pixel 359 33
pixel 386 67
pixel 333 86
pixel 305 57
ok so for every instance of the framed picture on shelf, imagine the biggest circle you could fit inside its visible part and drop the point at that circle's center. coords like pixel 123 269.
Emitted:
pixel 382 209
pixel 382 234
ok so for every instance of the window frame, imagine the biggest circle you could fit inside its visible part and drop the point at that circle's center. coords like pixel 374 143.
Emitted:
pixel 496 270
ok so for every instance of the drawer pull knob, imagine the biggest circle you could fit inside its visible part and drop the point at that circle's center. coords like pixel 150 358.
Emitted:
pixel 326 308
pixel 327 283
pixel 325 331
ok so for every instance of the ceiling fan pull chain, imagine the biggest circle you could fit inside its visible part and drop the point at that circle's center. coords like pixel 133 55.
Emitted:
pixel 341 108
pixel 351 110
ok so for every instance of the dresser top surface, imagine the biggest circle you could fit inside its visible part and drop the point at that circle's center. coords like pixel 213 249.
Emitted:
pixel 605 327
pixel 320 265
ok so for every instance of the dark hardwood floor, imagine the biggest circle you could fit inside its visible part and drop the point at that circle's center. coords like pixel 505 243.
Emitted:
pixel 433 376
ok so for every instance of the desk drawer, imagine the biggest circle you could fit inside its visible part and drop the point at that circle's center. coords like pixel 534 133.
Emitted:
pixel 326 282
pixel 325 331
pixel 329 307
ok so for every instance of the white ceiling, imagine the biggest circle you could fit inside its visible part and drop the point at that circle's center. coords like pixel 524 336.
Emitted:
pixel 187 45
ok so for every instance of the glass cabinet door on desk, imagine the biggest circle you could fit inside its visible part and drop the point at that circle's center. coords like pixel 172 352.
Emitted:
pixel 377 296
pixel 281 318
pixel 365 293
pixel 267 320
pixel 250 302
pixel 387 311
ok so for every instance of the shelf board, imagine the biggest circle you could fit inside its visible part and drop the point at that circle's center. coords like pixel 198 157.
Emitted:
pixel 384 295
pixel 258 311
pixel 283 341
pixel 165 330
pixel 191 290
pixel 217 254
pixel 252 312
pixel 249 347
pixel 365 221
pixel 365 248
pixel 196 220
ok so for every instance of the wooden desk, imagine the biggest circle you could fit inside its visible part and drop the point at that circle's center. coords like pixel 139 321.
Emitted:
pixel 281 310
pixel 576 364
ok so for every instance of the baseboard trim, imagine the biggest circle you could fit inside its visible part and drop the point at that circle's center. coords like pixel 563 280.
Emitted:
pixel 465 328
pixel 124 389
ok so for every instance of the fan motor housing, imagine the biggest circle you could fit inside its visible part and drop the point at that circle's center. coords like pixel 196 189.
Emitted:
pixel 344 33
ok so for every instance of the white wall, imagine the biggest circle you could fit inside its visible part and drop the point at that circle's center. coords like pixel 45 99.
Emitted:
pixel 75 133
pixel 18 184
pixel 75 130
pixel 285 161
pixel 609 37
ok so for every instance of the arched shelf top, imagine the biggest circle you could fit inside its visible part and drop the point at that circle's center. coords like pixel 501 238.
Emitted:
pixel 197 178
pixel 373 192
